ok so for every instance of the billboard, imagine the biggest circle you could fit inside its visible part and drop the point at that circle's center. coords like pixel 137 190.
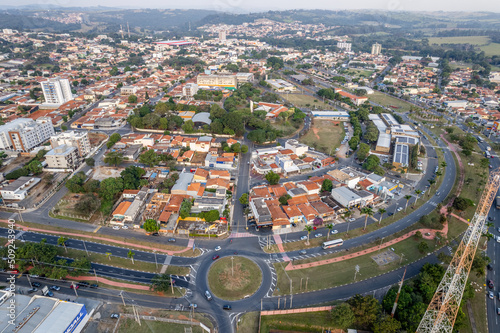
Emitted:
pixel 76 321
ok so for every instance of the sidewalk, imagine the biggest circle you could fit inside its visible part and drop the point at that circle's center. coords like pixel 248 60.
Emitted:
pixel 108 282
pixel 93 238
pixel 431 232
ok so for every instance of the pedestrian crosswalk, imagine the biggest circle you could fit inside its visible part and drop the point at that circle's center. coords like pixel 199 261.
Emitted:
pixel 242 235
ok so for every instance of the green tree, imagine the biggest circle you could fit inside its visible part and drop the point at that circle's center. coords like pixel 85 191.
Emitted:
pixel 363 151
pixel 92 186
pixel 343 316
pixel 485 163
pixel 160 283
pixel 329 226
pixel 423 247
pixel 132 99
pixel 62 241
pixel 188 126
pixel 365 310
pixel 284 199
pixel 275 63
pixel 87 204
pixel 75 183
pixel 131 176
pixel 367 211
pixel 327 185
pixel 371 162
pixel 211 215
pixel 308 228
pixel 381 211
pixel 185 208
pixel 244 199
pixel 244 149
pixel 80 266
pixel 272 178
pixel 407 197
pixel 151 225
pixel 90 161
pixel 149 158
pixel 417 192
pixel 131 255
pixel 113 158
pixel 461 203
pixel 35 167
pixel 110 187
pixel 386 324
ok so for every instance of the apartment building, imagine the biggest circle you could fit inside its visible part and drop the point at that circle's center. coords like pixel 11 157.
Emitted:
pixel 63 157
pixel 189 89
pixel 24 134
pixel 217 81
pixel 56 91
pixel 79 140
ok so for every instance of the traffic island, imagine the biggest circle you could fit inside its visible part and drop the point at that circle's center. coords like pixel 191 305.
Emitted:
pixel 234 277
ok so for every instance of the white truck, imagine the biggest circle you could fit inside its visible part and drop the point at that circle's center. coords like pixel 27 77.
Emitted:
pixel 47 292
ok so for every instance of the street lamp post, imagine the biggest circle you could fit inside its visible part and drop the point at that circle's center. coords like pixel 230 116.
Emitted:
pixel 156 261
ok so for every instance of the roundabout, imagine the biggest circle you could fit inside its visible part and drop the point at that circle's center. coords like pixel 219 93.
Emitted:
pixel 234 277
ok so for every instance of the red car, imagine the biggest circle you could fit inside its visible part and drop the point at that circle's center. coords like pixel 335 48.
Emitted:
pixel 215 257
pixel 74 286
pixel 490 284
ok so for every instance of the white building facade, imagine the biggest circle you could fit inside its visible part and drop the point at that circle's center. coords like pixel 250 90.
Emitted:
pixel 24 134
pixel 56 91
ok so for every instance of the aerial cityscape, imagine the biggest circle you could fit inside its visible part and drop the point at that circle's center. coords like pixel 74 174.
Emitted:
pixel 238 167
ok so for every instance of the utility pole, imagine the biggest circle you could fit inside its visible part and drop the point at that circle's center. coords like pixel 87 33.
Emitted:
pixel 156 261
pixel 232 266
pixel 300 284
pixel 356 271
pixel 397 295
pixel 85 248
pixel 307 280
pixel 172 285
pixel 401 259
pixel 123 300
pixel 95 274
pixel 29 281
pixel 74 288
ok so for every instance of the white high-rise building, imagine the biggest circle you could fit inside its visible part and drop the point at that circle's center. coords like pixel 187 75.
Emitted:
pixel 24 134
pixel 344 46
pixel 79 140
pixel 376 49
pixel 57 91
pixel 222 35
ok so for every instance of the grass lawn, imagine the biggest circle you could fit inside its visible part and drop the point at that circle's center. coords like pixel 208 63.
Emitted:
pixel 359 72
pixel 491 49
pixel 303 100
pixel 129 325
pixel 298 322
pixel 130 241
pixel 331 275
pixel 286 127
pixel 473 40
pixel 478 305
pixel 389 101
pixel 324 135
pixel 245 281
pixel 249 323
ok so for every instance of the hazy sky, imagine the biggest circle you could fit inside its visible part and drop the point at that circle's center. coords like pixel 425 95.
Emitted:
pixel 260 5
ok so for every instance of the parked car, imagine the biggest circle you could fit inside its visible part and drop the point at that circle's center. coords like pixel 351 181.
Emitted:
pixel 226 307
pixel 115 315
pixel 208 295
pixel 318 235
pixel 56 288
pixel 302 252
pixel 333 232
pixel 36 284
pixel 94 285
pixel 171 240
pixel 352 219
pixel 490 295
pixel 303 238
pixel 193 305
pixel 116 227
pixel 217 248
pixel 155 234
pixel 83 284
pixel 489 267
pixel 215 257
pixel 498 311
pixel 490 284
pixel 32 290
pixel 74 286
pixel 124 227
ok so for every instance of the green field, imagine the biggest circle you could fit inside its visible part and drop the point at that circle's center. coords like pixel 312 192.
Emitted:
pixel 473 40
pixel 324 135
pixel 389 101
pixel 234 279
pixel 491 49
pixel 302 100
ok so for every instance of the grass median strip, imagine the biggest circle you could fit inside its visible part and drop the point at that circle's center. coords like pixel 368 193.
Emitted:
pixel 332 275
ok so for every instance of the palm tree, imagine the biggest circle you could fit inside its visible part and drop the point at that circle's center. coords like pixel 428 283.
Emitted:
pixel 346 217
pixel 489 225
pixel 108 254
pixel 308 228
pixel 438 173
pixel 62 241
pixel 407 197
pixel 417 192
pixel 443 164
pixel 329 227
pixel 367 211
pixel 381 212
pixel 131 255
pixel 488 235
pixel 431 182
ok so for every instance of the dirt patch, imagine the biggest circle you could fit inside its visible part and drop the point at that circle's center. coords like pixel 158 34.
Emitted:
pixel 315 131
pixel 101 173
pixel 95 139
pixel 385 257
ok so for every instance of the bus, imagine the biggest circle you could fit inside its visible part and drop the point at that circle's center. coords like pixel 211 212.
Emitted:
pixel 497 201
pixel 332 243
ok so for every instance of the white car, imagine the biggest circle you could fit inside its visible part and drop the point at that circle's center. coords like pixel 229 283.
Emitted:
pixel 303 238
pixel 124 227
pixel 400 209
pixel 116 227
pixel 333 232
pixel 318 235
pixel 352 219
pixel 217 248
